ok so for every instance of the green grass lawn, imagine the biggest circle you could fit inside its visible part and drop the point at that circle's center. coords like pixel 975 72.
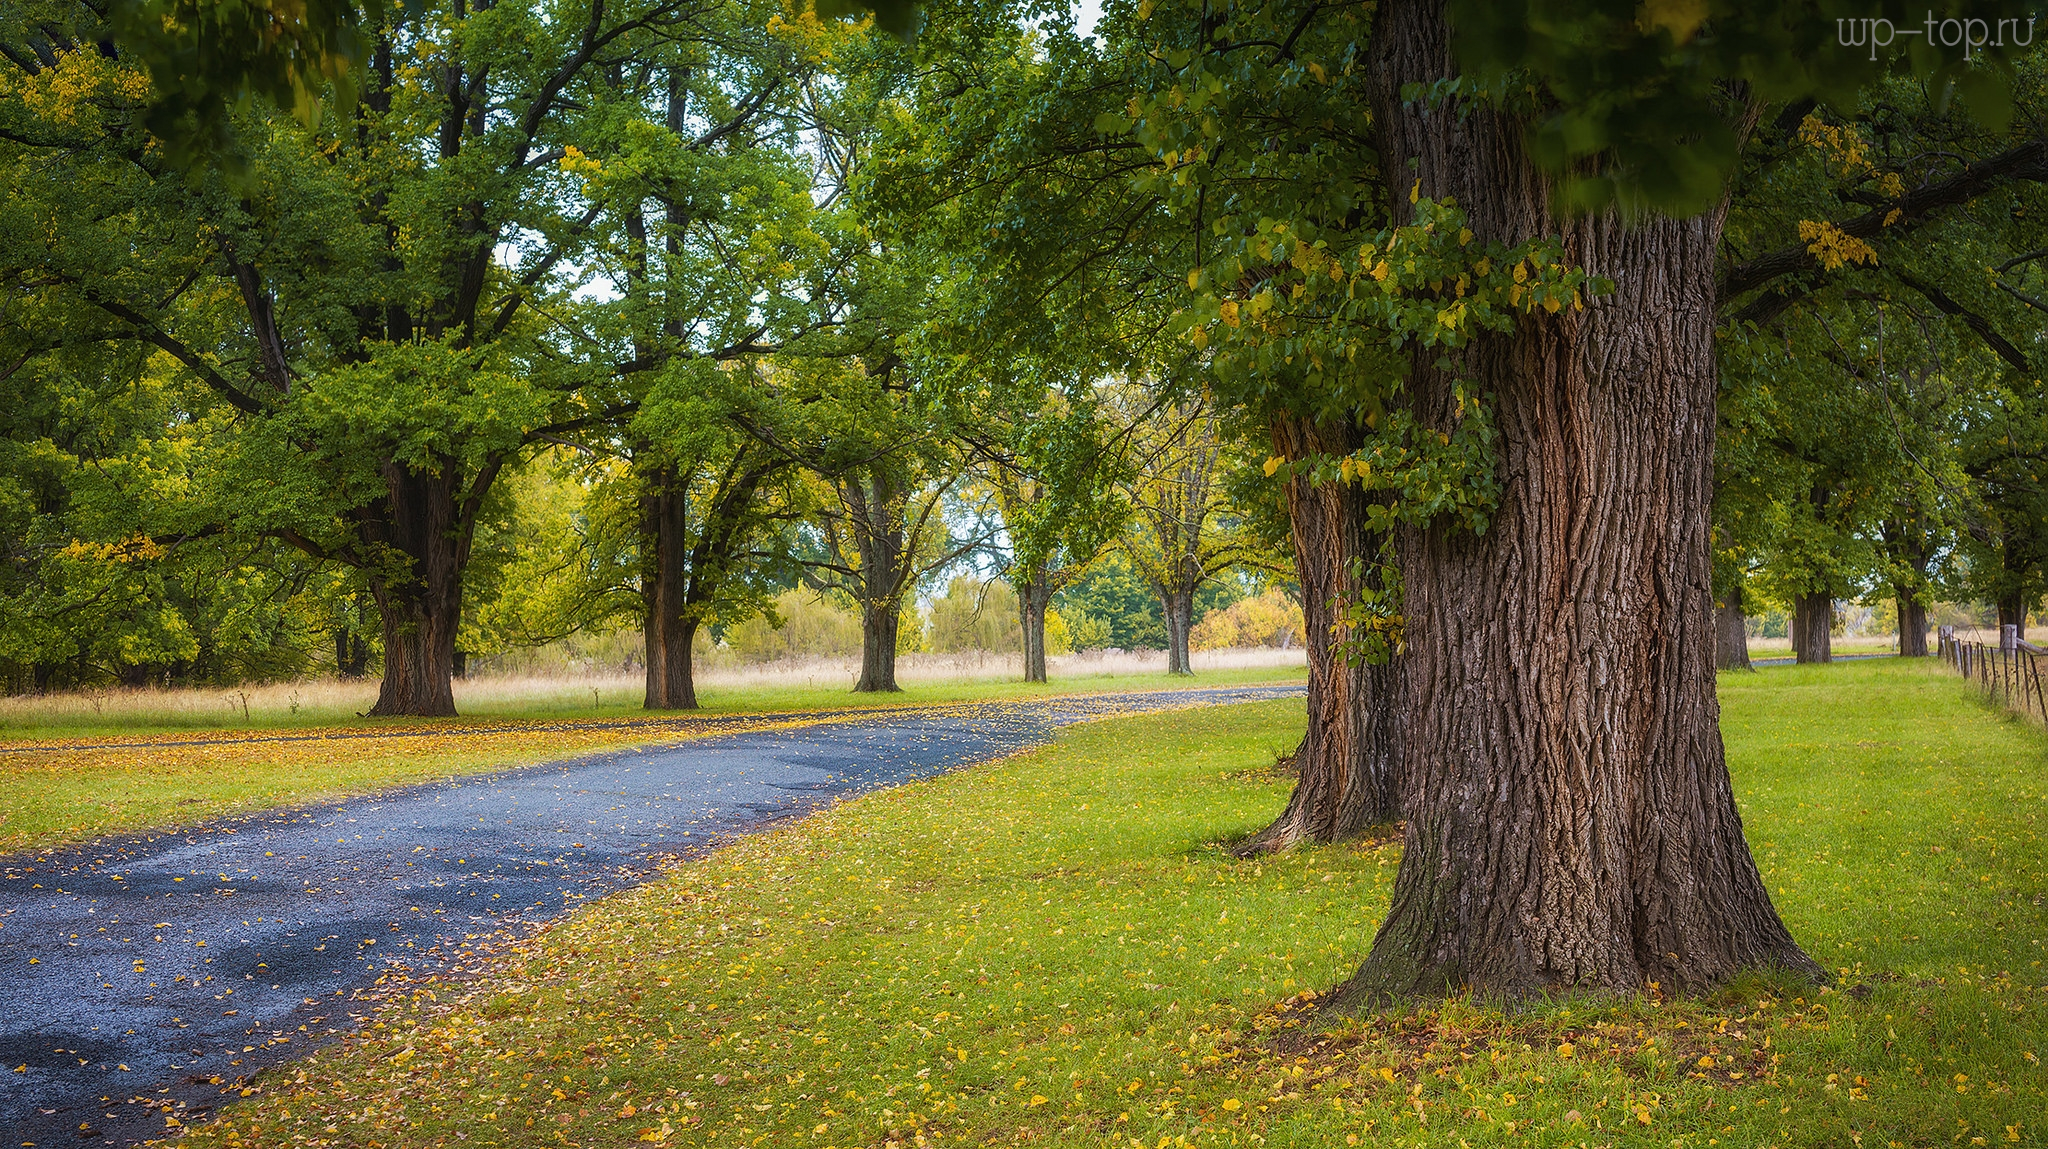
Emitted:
pixel 56 794
pixel 1053 950
pixel 59 790
pixel 330 705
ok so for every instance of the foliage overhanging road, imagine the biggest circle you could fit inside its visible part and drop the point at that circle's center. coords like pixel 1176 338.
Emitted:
pixel 154 969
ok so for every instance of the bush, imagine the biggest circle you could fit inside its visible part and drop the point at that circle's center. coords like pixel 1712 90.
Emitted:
pixel 1272 619
pixel 976 615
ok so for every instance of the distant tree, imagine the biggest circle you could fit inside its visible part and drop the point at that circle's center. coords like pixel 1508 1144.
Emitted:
pixel 1108 605
pixel 1184 531
pixel 975 614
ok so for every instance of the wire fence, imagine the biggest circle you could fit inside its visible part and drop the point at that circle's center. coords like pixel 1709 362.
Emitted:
pixel 2008 671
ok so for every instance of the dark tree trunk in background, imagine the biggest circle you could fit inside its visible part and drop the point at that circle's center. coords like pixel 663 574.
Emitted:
pixel 1178 605
pixel 419 594
pixel 1347 768
pixel 1912 623
pixel 876 516
pixel 1731 633
pixel 1034 594
pixel 1813 624
pixel 1570 821
pixel 2012 611
pixel 664 587
pixel 351 654
pixel 878 626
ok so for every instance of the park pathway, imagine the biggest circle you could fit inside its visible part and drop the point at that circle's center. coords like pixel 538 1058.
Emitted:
pixel 152 974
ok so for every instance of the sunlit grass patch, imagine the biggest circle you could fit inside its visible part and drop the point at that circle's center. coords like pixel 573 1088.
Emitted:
pixel 59 790
pixel 56 794
pixel 1053 950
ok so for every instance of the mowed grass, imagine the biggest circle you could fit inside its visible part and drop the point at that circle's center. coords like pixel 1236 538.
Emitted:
pixel 55 791
pixel 54 794
pixel 341 706
pixel 1052 950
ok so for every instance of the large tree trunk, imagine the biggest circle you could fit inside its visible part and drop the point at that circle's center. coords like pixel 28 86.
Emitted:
pixel 1731 633
pixel 1347 768
pixel 875 514
pixel 2012 611
pixel 1034 594
pixel 1813 624
pixel 421 599
pixel 1570 821
pixel 1179 607
pixel 1912 623
pixel 664 588
pixel 878 625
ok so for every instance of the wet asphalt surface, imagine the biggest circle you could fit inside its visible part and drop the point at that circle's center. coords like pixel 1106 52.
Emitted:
pixel 152 975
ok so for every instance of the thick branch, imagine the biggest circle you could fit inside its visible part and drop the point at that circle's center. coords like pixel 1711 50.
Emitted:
pixel 2028 161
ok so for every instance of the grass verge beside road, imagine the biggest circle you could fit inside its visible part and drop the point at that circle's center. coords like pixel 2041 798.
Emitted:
pixel 1051 949
pixel 54 795
pixel 292 707
pixel 57 791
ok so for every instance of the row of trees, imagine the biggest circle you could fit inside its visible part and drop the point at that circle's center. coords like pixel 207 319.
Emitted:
pixel 1487 282
pixel 540 332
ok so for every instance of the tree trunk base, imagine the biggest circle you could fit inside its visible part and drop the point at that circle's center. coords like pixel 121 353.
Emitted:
pixel 1912 627
pixel 1571 823
pixel 1731 634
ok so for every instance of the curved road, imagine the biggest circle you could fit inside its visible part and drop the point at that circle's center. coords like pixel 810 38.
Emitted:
pixel 151 974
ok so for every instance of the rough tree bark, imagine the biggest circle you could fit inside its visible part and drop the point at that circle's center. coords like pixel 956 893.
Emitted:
pixel 419 594
pixel 1813 623
pixel 1034 595
pixel 879 623
pixel 1912 623
pixel 877 516
pixel 1570 821
pixel 1178 604
pixel 1731 633
pixel 1347 768
pixel 669 631
pixel 2012 611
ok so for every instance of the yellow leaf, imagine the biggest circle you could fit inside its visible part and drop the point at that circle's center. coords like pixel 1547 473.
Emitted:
pixel 1233 1104
pixel 1273 464
pixel 1194 278
pixel 1037 1099
pixel 1415 193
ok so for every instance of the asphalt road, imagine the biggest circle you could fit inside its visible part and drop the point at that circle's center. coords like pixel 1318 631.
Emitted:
pixel 152 974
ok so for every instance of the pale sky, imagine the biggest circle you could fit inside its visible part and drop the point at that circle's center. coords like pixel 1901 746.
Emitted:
pixel 1085 14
